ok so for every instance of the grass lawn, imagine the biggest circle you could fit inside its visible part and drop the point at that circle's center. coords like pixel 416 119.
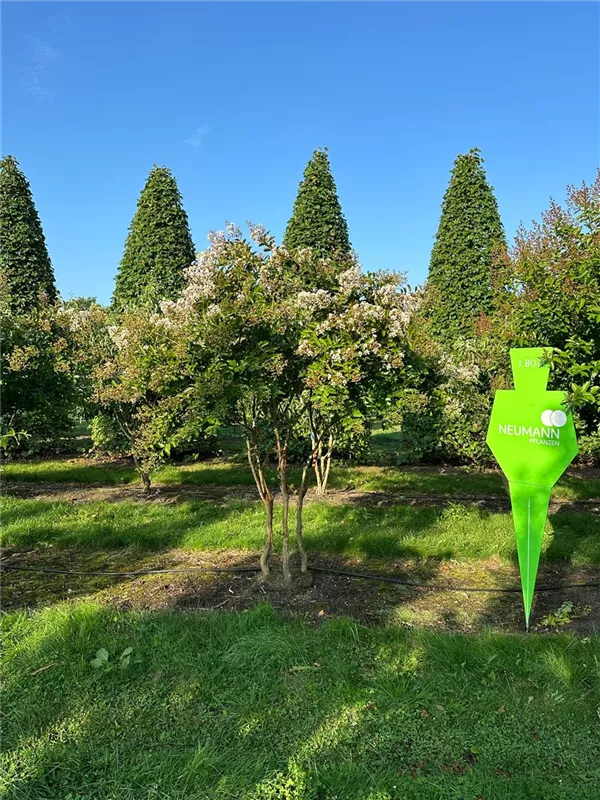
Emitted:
pixel 253 707
pixel 224 472
pixel 455 532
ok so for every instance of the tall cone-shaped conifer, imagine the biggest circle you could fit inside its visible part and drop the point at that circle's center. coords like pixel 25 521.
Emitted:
pixel 460 270
pixel 317 220
pixel 159 245
pixel 26 268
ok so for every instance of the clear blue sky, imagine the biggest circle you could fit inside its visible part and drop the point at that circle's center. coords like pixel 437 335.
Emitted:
pixel 235 97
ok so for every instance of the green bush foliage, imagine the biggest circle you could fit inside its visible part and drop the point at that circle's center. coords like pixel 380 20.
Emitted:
pixel 549 295
pixel 40 390
pixel 107 437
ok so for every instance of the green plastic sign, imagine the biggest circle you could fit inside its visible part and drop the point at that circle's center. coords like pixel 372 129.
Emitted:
pixel 532 436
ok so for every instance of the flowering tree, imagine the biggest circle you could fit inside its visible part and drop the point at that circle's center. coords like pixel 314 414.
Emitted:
pixel 268 354
pixel 240 317
pixel 357 342
pixel 135 372
pixel 246 343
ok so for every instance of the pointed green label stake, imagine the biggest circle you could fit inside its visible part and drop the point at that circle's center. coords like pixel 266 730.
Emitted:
pixel 532 436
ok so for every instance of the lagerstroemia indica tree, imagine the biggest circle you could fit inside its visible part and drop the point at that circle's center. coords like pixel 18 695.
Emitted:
pixel 357 342
pixel 249 342
pixel 135 369
pixel 265 352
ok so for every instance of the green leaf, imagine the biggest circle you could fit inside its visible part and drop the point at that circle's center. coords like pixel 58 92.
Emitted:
pixel 100 659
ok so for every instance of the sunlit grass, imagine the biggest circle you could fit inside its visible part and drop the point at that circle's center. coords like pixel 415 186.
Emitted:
pixel 248 706
pixel 400 531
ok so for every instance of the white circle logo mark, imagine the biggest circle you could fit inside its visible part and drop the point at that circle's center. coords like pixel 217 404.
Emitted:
pixel 555 418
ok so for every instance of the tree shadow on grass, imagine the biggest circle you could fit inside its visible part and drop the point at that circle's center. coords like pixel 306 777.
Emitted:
pixel 575 536
pixel 249 705
pixel 68 470
pixel 151 526
pixel 391 532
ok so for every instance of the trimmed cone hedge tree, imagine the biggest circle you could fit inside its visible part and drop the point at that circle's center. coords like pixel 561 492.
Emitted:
pixel 317 220
pixel 158 248
pixel 27 273
pixel 460 271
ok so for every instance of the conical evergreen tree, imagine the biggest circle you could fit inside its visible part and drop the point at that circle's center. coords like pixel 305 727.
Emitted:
pixel 317 220
pixel 460 270
pixel 24 261
pixel 159 245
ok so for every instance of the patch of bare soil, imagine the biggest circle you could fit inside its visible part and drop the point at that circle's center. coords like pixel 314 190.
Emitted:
pixel 316 596
pixel 75 493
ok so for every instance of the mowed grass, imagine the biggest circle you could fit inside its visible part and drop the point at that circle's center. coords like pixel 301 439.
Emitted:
pixel 252 707
pixel 234 472
pixel 455 532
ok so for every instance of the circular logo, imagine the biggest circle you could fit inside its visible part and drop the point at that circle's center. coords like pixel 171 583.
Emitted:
pixel 555 418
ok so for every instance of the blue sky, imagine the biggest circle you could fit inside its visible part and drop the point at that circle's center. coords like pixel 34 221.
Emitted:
pixel 234 97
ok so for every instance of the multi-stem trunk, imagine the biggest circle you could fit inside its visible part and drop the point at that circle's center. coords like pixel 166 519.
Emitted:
pixel 257 465
pixel 129 435
pixel 323 463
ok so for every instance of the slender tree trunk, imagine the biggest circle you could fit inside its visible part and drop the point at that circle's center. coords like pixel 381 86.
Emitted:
pixel 318 455
pixel 282 446
pixel 299 508
pixel 323 464
pixel 265 556
pixel 144 476
pixel 285 533
pixel 328 462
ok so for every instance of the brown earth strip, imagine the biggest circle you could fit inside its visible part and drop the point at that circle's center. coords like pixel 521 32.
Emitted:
pixel 315 596
pixel 75 493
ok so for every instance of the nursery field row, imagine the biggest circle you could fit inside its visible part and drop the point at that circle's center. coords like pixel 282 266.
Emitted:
pixel 576 485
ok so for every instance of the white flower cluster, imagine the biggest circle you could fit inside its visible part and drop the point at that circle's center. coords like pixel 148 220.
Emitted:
pixel 76 318
pixel 462 372
pixel 319 300
pixel 119 336
pixel 304 255
pixel 201 277
pixel 233 231
pixel 259 235
pixel 351 279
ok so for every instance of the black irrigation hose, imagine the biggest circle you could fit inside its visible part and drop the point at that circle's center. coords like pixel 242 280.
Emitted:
pixel 127 574
pixel 437 587
pixel 325 570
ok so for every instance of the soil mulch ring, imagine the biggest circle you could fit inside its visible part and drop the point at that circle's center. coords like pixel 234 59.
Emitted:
pixel 75 493
pixel 316 596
